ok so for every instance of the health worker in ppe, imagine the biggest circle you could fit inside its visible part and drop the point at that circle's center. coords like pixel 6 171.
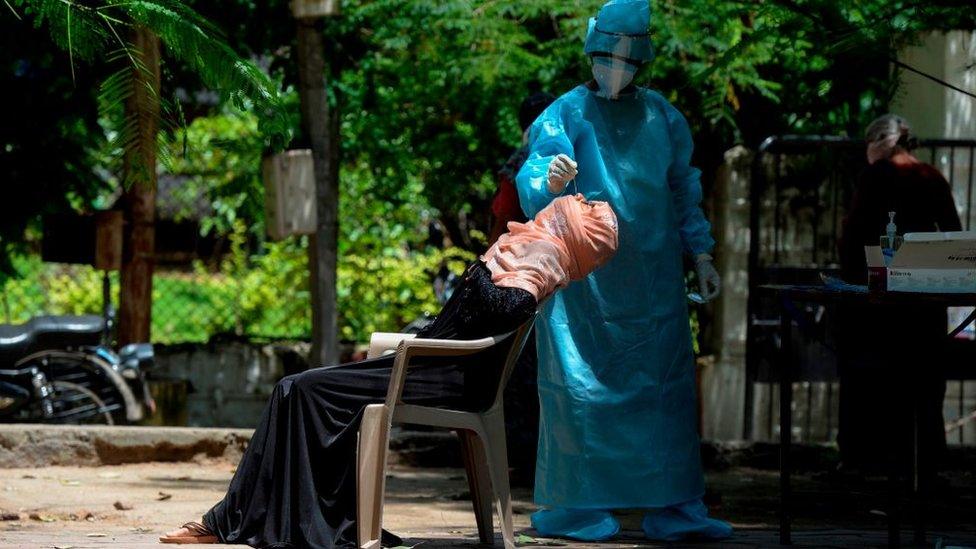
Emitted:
pixel 616 363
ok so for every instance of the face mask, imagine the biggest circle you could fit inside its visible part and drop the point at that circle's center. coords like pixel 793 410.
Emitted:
pixel 612 75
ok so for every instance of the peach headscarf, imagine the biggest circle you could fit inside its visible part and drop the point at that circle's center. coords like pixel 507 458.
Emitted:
pixel 566 241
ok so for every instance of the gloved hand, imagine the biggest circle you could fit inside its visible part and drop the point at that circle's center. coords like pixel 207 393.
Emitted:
pixel 709 282
pixel 562 170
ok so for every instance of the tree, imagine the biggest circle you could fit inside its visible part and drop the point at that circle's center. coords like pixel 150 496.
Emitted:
pixel 48 114
pixel 320 121
pixel 139 201
pixel 131 99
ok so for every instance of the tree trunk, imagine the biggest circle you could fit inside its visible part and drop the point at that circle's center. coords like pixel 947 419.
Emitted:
pixel 321 125
pixel 139 200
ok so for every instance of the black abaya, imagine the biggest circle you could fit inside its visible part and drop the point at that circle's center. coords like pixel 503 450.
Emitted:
pixel 295 485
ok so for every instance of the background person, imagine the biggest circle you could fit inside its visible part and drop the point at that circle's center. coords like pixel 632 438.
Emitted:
pixel 891 357
pixel 505 205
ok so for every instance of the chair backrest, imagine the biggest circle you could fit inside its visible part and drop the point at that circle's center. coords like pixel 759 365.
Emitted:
pixel 519 338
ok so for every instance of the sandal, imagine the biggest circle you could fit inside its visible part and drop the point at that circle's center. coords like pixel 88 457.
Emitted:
pixel 191 532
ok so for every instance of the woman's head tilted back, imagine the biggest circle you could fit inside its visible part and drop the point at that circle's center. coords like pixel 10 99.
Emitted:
pixel 591 237
pixel 887 136
pixel 565 241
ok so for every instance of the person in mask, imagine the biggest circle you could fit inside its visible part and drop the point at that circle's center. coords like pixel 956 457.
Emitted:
pixel 618 427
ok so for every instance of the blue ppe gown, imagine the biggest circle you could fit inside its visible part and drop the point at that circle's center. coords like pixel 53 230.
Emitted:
pixel 616 363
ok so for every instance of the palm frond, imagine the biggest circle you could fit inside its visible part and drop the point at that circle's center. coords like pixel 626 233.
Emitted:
pixel 91 31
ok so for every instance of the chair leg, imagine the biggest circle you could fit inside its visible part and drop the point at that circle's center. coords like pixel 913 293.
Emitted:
pixel 479 482
pixel 497 454
pixel 371 475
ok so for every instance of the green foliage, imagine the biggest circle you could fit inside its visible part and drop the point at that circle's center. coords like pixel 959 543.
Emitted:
pixel 428 94
pixel 23 297
pixel 384 292
pixel 430 89
pixel 55 113
pixel 222 162
pixel 97 31
pixel 50 288
pixel 47 136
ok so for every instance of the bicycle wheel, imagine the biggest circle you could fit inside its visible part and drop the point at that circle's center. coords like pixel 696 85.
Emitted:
pixel 74 404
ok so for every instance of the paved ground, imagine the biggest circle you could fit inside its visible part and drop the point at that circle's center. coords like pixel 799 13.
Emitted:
pixel 76 507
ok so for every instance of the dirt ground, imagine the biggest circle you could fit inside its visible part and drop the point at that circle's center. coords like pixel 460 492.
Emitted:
pixel 130 505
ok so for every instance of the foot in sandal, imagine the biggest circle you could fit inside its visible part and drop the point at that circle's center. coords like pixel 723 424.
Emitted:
pixel 191 532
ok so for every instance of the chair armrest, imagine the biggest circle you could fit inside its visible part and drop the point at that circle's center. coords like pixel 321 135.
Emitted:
pixel 418 347
pixel 381 343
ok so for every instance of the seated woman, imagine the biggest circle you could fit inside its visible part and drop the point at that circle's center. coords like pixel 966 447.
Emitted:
pixel 296 486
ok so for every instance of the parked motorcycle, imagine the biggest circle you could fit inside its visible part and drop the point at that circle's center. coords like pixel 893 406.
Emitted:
pixel 58 369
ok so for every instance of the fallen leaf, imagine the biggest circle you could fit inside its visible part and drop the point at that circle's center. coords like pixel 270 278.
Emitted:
pixel 122 506
pixel 163 496
pixel 522 539
pixel 97 535
pixel 70 482
pixel 42 518
pixel 63 546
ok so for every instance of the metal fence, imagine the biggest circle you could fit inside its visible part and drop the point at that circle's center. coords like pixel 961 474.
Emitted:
pixel 189 305
pixel 800 189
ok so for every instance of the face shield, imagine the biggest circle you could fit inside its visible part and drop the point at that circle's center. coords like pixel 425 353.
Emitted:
pixel 612 75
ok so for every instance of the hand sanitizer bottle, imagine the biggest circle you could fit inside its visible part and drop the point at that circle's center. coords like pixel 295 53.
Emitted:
pixel 890 241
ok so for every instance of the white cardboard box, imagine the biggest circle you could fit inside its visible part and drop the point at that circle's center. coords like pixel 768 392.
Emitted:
pixel 931 263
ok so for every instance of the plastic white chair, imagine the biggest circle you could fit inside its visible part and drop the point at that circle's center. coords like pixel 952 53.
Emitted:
pixel 482 435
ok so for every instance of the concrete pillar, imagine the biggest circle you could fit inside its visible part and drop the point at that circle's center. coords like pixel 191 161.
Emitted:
pixel 723 381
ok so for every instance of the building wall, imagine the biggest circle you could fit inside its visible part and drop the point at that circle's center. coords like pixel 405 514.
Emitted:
pixel 940 112
pixel 934 110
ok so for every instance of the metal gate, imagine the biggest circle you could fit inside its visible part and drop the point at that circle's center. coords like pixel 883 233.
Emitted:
pixel 800 189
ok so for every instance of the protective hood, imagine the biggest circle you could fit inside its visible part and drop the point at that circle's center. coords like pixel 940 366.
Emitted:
pixel 621 29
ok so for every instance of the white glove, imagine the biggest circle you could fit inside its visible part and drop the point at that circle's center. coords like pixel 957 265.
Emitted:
pixel 562 170
pixel 709 282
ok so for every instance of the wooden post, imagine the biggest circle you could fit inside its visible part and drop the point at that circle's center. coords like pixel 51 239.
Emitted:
pixel 321 124
pixel 139 200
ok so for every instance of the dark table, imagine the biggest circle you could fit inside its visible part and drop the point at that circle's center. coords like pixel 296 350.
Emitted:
pixel 789 295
